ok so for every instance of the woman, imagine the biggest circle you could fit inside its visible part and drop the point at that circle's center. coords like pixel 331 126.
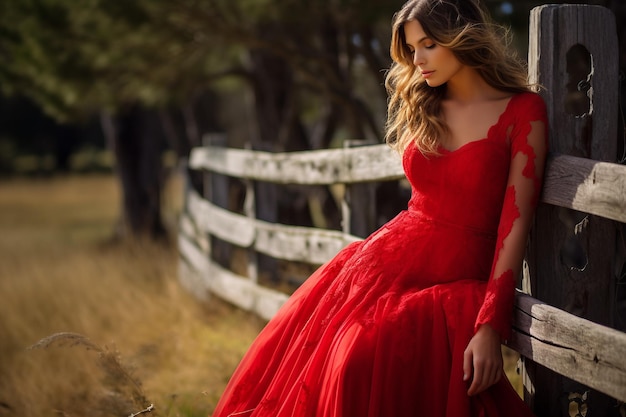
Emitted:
pixel 409 321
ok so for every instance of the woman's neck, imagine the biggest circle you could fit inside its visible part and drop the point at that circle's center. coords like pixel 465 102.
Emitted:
pixel 469 87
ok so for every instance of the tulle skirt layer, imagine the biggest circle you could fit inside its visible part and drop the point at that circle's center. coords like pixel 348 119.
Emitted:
pixel 361 339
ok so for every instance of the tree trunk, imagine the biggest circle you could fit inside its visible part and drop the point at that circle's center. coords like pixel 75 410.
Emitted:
pixel 137 146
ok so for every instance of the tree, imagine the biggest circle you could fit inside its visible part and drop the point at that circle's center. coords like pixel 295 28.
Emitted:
pixel 89 57
pixel 122 59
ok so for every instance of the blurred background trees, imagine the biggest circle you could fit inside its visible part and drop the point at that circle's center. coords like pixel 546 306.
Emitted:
pixel 149 78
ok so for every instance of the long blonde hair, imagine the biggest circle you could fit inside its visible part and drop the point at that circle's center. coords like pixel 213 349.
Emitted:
pixel 463 26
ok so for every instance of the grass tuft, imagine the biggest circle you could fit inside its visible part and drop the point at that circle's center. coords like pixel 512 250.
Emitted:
pixel 66 339
pixel 120 381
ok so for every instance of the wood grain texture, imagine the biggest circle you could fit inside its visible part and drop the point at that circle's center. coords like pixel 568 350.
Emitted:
pixel 573 56
pixel 237 290
pixel 586 185
pixel 555 30
pixel 328 166
pixel 572 182
pixel 572 346
pixel 292 243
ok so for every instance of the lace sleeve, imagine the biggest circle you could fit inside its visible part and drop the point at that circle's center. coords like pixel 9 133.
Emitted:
pixel 528 138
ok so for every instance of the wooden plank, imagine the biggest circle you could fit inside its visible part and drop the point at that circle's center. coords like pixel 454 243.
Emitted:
pixel 295 243
pixel 555 30
pixel 244 293
pixel 358 204
pixel 573 56
pixel 228 226
pixel 193 255
pixel 582 184
pixel 372 163
pixel 193 281
pixel 585 185
pixel 193 267
pixel 199 274
pixel 292 243
pixel 327 166
pixel 249 209
pixel 187 228
pixel 215 190
pixel 579 349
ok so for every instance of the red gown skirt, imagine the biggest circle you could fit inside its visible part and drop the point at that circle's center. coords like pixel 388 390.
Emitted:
pixel 376 332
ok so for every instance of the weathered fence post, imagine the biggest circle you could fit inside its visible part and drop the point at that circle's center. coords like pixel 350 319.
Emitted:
pixel 358 208
pixel 216 191
pixel 573 55
pixel 191 278
pixel 249 208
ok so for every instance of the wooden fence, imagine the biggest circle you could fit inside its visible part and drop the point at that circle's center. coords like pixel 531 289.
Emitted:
pixel 575 361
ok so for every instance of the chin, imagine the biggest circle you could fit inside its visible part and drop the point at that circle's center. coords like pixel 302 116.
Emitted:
pixel 432 83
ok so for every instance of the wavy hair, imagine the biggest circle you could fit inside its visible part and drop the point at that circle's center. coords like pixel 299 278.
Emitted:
pixel 463 26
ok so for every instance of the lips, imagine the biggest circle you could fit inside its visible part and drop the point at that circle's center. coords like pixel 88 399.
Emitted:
pixel 427 74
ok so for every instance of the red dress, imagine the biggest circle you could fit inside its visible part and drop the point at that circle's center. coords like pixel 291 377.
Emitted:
pixel 380 330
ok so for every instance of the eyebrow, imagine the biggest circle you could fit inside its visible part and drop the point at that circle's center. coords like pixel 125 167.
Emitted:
pixel 418 42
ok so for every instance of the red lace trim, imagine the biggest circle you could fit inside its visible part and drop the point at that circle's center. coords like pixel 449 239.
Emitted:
pixel 498 304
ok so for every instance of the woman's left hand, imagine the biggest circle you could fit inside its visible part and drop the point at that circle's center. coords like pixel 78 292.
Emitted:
pixel 482 360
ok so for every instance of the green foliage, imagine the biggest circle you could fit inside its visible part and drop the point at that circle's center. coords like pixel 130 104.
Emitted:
pixel 75 58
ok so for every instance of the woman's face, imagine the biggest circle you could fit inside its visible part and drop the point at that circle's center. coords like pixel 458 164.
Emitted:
pixel 437 64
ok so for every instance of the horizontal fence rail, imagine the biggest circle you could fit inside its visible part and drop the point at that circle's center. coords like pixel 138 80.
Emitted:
pixel 327 166
pixel 292 243
pixel 578 183
pixel 586 185
pixel 569 345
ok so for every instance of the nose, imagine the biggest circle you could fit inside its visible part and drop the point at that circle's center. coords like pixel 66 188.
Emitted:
pixel 418 58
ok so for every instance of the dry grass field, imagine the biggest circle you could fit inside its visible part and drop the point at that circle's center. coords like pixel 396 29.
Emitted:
pixel 136 338
pixel 60 273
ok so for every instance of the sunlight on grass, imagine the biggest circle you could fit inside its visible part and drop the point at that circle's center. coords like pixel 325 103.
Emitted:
pixel 58 274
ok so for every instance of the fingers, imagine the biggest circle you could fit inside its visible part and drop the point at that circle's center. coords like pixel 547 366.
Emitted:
pixel 477 380
pixel 486 373
pixel 482 360
pixel 467 364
